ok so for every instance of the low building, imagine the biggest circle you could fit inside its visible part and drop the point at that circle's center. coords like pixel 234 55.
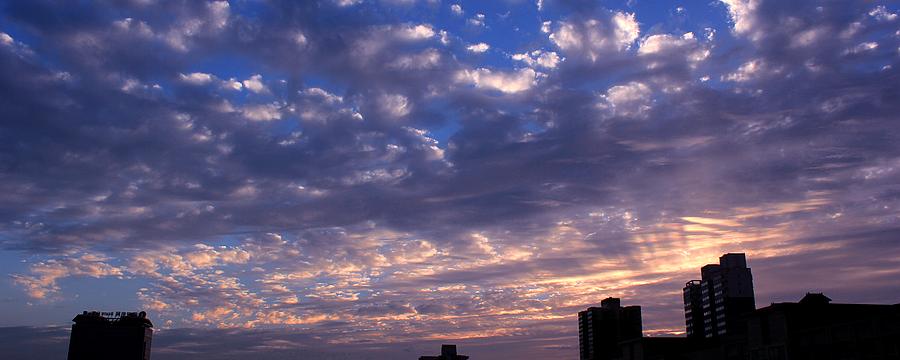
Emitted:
pixel 110 336
pixel 448 352
pixel 815 328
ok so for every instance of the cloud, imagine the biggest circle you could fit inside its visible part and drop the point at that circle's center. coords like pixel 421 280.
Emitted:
pixel 594 38
pixel 255 84
pixel 545 59
pixel 478 48
pixel 742 15
pixel 196 78
pixel 262 112
pixel 415 32
pixel 5 39
pixel 506 82
pixel 477 20
pixel 376 177
pixel 629 100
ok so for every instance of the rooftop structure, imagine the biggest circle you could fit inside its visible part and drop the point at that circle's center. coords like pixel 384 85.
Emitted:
pixel 448 352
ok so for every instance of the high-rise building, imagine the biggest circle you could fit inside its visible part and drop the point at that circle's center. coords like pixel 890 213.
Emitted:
pixel 693 309
pixel 110 335
pixel 715 304
pixel 601 329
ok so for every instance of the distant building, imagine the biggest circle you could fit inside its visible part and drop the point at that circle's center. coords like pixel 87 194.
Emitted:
pixel 815 328
pixel 715 305
pixel 448 352
pixel 110 335
pixel 601 329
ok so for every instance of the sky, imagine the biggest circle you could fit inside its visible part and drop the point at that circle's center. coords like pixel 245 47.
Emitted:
pixel 367 179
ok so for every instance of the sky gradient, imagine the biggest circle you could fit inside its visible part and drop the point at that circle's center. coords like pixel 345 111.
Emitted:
pixel 353 179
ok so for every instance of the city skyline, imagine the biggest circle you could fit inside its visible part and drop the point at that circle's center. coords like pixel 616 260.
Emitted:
pixel 374 178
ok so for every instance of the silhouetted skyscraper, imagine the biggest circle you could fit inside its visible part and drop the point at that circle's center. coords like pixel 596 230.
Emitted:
pixel 693 309
pixel 714 305
pixel 600 329
pixel 448 352
pixel 110 336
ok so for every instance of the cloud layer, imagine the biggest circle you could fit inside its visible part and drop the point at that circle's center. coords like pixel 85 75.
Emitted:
pixel 362 179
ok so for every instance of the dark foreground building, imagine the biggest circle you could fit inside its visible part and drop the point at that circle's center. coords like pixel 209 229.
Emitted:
pixel 600 329
pixel 814 328
pixel 110 336
pixel 722 324
pixel 448 352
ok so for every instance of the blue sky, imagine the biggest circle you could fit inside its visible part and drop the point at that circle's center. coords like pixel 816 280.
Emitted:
pixel 359 178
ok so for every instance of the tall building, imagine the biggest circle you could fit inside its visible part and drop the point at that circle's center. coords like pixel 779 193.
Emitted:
pixel 715 304
pixel 693 309
pixel 110 335
pixel 601 329
pixel 448 352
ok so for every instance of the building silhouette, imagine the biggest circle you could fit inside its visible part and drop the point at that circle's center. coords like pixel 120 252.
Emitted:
pixel 722 324
pixel 110 335
pixel 815 328
pixel 448 352
pixel 716 304
pixel 600 329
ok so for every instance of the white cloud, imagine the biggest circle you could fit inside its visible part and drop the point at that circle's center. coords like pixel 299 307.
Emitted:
pixel 263 112
pixel 632 99
pixel 255 84
pixel 300 38
pixel 456 9
pixel 43 283
pixel 507 82
pixel 661 43
pixel 179 37
pixel 809 37
pixel 746 72
pixel 626 29
pixel 324 95
pixel 478 20
pixel 478 48
pixel 881 13
pixel 427 59
pixel 686 45
pixel 594 37
pixel 545 59
pixel 394 105
pixel 5 39
pixel 129 25
pixel 219 11
pixel 741 12
pixel 545 27
pixel 196 78
pixel 416 32
pixel 345 3
pixel 232 84
pixel 861 48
